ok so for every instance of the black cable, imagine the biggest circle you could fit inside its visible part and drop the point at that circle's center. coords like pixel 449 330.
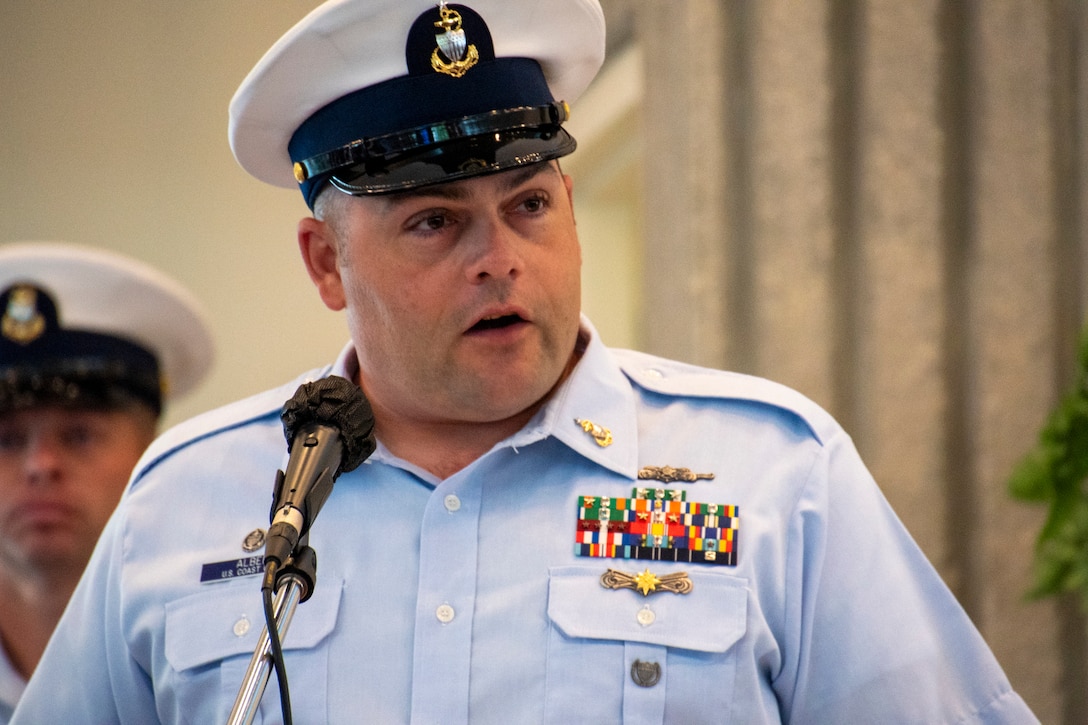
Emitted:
pixel 274 642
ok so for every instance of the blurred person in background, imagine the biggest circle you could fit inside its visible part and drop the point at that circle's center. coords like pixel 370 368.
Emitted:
pixel 92 344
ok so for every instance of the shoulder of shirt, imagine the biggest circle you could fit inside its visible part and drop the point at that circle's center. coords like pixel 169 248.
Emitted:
pixel 682 380
pixel 266 404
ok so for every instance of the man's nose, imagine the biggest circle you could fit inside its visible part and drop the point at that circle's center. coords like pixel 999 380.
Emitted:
pixel 495 249
pixel 42 458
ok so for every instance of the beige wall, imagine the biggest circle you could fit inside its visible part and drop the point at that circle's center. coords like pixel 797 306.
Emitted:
pixel 113 134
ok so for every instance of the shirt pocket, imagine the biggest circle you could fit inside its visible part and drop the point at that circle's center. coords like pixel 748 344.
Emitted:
pixel 616 654
pixel 210 638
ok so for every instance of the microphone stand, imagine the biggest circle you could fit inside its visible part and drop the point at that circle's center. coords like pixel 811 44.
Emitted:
pixel 326 421
pixel 294 583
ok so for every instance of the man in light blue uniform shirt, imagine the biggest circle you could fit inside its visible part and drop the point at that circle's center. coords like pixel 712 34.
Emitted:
pixel 550 531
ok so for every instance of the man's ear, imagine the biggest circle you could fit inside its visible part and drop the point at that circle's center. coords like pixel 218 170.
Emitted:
pixel 317 243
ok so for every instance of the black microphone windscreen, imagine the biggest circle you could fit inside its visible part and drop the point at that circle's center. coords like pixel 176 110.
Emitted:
pixel 337 402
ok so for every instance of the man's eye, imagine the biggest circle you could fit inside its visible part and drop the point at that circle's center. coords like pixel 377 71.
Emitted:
pixel 11 440
pixel 78 436
pixel 534 204
pixel 429 222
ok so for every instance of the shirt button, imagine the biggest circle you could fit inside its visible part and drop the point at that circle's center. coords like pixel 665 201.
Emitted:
pixel 646 616
pixel 445 613
pixel 452 503
pixel 241 627
pixel 653 373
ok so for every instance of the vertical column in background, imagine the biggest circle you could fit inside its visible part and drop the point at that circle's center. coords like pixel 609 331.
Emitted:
pixel 1069 109
pixel 686 174
pixel 1010 292
pixel 899 266
pixel 791 246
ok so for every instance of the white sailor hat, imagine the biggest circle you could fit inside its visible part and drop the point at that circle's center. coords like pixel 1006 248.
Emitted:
pixel 376 96
pixel 85 326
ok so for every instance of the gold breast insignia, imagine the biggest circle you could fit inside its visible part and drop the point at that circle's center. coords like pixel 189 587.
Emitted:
pixel 669 474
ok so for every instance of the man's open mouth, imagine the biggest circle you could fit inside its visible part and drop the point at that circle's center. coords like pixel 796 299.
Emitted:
pixel 495 323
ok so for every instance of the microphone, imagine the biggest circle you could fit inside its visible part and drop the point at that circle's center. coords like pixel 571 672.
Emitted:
pixel 329 427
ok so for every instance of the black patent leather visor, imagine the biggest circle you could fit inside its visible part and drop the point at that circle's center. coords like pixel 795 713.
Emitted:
pixel 444 152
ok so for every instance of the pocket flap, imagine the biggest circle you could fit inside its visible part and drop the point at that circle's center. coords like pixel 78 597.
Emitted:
pixel 709 618
pixel 224 620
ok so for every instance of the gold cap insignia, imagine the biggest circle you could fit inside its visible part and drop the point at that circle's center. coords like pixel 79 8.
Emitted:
pixel 22 322
pixel 454 55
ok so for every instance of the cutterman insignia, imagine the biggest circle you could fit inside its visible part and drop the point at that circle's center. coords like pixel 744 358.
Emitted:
pixel 647 582
pixel 657 525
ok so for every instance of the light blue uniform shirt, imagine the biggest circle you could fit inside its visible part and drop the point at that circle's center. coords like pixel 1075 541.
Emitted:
pixel 463 600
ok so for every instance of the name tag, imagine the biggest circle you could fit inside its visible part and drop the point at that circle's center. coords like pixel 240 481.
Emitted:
pixel 223 570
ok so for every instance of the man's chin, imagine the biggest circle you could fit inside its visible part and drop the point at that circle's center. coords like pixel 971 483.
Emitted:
pixel 49 550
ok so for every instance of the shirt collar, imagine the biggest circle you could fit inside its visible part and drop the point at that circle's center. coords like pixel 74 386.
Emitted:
pixel 347 364
pixel 595 394
pixel 12 683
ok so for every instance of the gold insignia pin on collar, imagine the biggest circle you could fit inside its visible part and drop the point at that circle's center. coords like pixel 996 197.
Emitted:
pixel 647 582
pixel 602 435
pixel 452 44
pixel 668 474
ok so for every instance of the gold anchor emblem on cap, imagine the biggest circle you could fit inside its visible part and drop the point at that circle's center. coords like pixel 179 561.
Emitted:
pixel 22 322
pixel 453 45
